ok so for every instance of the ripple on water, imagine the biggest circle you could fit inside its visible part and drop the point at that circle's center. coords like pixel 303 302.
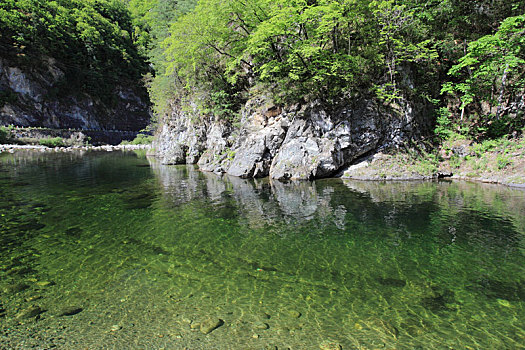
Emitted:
pixel 108 250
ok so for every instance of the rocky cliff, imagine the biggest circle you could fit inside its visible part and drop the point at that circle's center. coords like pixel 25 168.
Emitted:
pixel 36 96
pixel 295 142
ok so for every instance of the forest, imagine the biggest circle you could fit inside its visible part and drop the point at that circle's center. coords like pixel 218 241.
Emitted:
pixel 92 41
pixel 466 58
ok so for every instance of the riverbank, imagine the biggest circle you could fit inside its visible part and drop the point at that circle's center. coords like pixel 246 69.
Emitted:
pixel 108 148
pixel 493 161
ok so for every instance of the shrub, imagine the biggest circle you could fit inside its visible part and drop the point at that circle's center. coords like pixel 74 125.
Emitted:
pixel 52 142
pixel 5 134
pixel 503 161
pixel 140 139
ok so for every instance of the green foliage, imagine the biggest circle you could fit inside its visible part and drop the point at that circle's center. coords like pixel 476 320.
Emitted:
pixel 400 41
pixel 152 20
pixel 492 72
pixel 5 134
pixel 503 161
pixel 218 51
pixel 52 142
pixel 90 39
pixel 298 50
pixel 140 139
pixel 443 124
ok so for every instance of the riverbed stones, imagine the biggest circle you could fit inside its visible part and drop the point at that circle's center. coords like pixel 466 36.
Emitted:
pixel 265 315
pixel 33 298
pixel 210 324
pixel 115 328
pixel 294 314
pixel 392 282
pixel 15 288
pixel 45 283
pixel 195 325
pixel 29 312
pixel 261 325
pixel 330 345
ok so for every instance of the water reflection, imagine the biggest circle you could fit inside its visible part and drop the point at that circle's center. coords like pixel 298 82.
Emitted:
pixel 458 212
pixel 154 248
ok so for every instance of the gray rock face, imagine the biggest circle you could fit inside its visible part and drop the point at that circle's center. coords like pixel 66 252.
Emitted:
pixel 218 153
pixel 262 135
pixel 179 140
pixel 305 142
pixel 31 102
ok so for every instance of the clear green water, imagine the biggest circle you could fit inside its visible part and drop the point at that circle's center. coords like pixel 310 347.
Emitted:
pixel 146 251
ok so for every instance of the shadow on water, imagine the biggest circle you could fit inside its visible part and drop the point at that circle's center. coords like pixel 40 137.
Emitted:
pixel 115 248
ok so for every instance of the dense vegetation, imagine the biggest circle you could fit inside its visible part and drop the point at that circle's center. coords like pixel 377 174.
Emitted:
pixel 92 41
pixel 465 57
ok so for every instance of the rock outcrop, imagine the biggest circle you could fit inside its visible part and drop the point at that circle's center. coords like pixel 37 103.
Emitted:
pixel 28 97
pixel 295 142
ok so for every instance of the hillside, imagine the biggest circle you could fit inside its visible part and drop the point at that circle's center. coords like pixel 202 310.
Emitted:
pixel 71 64
pixel 303 89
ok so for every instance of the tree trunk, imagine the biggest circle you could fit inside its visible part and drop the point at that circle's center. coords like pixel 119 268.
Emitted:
pixel 500 98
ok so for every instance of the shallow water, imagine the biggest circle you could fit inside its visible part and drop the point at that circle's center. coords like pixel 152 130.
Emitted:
pixel 115 251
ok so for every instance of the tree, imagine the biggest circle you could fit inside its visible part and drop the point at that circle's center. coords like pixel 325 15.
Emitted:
pixel 493 68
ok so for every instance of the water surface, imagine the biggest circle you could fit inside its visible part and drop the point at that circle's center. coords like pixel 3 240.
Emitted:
pixel 112 250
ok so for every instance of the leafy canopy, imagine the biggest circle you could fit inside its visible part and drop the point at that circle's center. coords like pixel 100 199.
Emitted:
pixel 92 40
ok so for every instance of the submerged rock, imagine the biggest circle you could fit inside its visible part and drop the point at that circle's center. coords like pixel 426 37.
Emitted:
pixel 30 312
pixel 74 231
pixel 15 288
pixel 45 283
pixel 33 297
pixel 70 311
pixel 294 314
pixel 265 315
pixel 210 325
pixel 20 271
pixel 392 282
pixel 115 328
pixel 261 325
pixel 329 345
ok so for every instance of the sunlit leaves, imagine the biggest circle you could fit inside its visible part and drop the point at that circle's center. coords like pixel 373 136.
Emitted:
pixel 491 61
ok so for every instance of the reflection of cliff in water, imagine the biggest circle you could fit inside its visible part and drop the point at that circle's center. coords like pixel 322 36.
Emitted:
pixel 260 201
pixel 447 213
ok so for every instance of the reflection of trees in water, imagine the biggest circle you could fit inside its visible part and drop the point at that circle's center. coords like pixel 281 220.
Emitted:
pixel 450 212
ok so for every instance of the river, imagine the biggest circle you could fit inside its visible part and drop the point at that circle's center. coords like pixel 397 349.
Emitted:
pixel 111 250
